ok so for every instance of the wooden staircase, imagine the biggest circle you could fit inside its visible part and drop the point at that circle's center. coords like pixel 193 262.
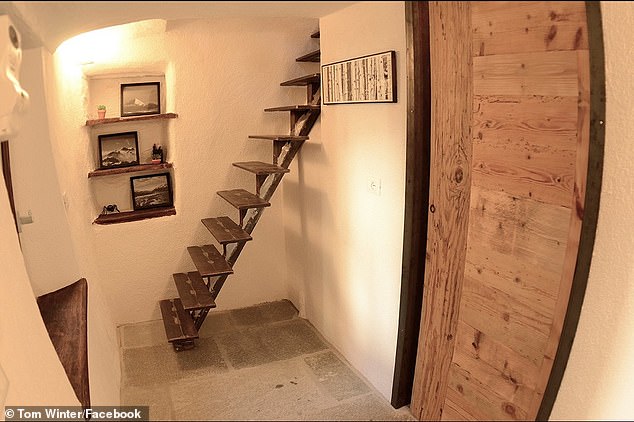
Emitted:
pixel 198 290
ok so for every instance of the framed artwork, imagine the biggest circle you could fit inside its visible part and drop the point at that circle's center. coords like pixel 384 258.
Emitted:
pixel 151 191
pixel 118 150
pixel 140 98
pixel 367 79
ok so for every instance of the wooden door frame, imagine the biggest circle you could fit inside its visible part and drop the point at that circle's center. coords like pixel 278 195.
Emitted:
pixel 417 202
pixel 416 198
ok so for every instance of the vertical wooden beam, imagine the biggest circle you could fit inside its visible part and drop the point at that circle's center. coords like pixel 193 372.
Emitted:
pixel 6 171
pixel 450 180
pixel 416 199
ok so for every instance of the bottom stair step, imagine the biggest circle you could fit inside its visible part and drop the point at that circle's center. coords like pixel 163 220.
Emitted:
pixel 179 325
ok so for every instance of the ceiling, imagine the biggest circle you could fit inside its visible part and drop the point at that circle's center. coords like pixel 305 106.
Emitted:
pixel 49 23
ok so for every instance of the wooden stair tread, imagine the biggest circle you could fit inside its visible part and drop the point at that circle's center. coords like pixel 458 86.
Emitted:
pixel 177 321
pixel 295 107
pixel 193 292
pixel 315 34
pixel 242 199
pixel 260 168
pixel 208 261
pixel 313 78
pixel 313 56
pixel 225 230
pixel 285 138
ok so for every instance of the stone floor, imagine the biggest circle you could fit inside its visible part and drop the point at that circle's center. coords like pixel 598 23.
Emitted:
pixel 257 363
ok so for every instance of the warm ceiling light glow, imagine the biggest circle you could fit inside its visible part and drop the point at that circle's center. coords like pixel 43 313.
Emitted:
pixel 99 46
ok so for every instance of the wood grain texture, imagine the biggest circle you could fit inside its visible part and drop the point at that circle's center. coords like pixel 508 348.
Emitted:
pixel 526 146
pixel 530 159
pixel 192 291
pixel 242 199
pixel 208 261
pixel 128 216
pixel 65 315
pixel 225 230
pixel 450 180
pixel 552 73
pixel 177 322
pixel 131 169
pixel 574 229
pixel 522 27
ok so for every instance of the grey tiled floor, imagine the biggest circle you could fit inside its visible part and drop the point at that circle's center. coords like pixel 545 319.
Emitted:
pixel 256 363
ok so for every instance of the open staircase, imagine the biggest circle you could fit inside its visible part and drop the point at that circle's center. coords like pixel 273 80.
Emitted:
pixel 198 290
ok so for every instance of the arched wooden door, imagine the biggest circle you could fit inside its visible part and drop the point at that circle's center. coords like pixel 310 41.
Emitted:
pixel 510 88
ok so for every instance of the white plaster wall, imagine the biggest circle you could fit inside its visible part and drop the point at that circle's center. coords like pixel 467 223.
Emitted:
pixel 344 242
pixel 219 76
pixel 597 381
pixel 46 244
pixel 35 374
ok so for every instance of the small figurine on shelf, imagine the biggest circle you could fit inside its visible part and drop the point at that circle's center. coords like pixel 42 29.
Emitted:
pixel 157 154
pixel 101 111
pixel 109 209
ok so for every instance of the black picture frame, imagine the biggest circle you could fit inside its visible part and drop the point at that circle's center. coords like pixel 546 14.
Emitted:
pixel 151 191
pixel 365 79
pixel 118 150
pixel 149 103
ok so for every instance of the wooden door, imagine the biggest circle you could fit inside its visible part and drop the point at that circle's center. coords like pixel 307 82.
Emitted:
pixel 509 159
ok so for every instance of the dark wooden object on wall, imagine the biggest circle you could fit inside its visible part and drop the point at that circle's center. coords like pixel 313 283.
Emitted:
pixel 6 172
pixel 65 315
pixel 416 199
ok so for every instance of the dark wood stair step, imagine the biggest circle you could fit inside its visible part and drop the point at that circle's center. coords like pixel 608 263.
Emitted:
pixel 282 138
pixel 313 56
pixel 260 168
pixel 179 325
pixel 243 200
pixel 193 292
pixel 208 261
pixel 315 34
pixel 225 230
pixel 313 78
pixel 295 107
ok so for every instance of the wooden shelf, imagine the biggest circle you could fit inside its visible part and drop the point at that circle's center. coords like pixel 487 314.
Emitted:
pixel 313 56
pixel 301 107
pixel 313 78
pixel 97 122
pixel 127 216
pixel 131 169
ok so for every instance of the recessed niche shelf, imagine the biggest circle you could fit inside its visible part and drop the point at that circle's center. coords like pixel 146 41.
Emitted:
pixel 131 169
pixel 97 122
pixel 127 216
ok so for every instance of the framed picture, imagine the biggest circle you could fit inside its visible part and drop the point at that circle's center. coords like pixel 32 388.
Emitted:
pixel 367 79
pixel 140 98
pixel 118 150
pixel 152 191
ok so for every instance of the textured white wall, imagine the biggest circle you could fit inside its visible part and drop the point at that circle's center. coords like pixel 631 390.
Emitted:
pixel 46 244
pixel 220 75
pixel 597 382
pixel 344 244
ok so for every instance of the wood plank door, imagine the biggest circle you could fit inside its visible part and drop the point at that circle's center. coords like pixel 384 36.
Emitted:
pixel 510 139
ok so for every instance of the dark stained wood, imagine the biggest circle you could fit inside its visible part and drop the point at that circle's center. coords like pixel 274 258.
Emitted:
pixel 178 323
pixel 260 168
pixel 131 169
pixel 282 138
pixel 208 261
pixel 449 192
pixel 313 78
pixel 315 34
pixel 192 291
pixel 225 230
pixel 301 107
pixel 416 199
pixel 128 216
pixel 243 200
pixel 65 313
pixel 286 161
pixel 6 171
pixel 590 207
pixel 313 56
pixel 98 122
